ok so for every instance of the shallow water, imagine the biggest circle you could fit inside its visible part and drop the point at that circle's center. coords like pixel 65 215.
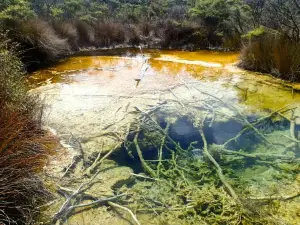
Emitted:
pixel 99 92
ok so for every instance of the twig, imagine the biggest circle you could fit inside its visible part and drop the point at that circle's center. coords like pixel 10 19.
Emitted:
pixel 176 97
pixel 127 210
pixel 75 161
pixel 252 126
pixel 145 177
pixel 161 149
pixel 282 198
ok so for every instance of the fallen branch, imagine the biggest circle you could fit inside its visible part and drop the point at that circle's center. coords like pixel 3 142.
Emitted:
pixel 99 201
pixel 83 187
pixel 99 161
pixel 257 155
pixel 159 127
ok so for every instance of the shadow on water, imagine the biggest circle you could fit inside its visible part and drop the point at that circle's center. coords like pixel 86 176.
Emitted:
pixel 187 135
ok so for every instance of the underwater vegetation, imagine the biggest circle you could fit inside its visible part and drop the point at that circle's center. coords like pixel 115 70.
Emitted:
pixel 206 183
pixel 199 161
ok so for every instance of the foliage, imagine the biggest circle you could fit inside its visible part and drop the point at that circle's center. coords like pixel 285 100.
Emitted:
pixel 255 33
pixel 16 9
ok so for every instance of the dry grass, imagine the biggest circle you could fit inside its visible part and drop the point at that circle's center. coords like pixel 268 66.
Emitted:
pixel 67 30
pixel 272 53
pixel 109 34
pixel 24 149
pixel 24 146
pixel 86 33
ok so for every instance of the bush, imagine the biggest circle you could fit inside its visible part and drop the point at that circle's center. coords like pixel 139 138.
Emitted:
pixel 24 146
pixel 132 35
pixel 269 51
pixel 109 34
pixel 38 41
pixel 86 33
pixel 66 30
pixel 178 35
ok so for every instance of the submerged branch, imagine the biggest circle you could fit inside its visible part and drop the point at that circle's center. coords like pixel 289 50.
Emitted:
pixel 257 155
pixel 252 126
pixel 281 198
pixel 146 167
pixel 127 210
pixel 219 169
pixel 161 150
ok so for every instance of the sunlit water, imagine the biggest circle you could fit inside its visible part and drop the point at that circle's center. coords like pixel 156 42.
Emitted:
pixel 104 91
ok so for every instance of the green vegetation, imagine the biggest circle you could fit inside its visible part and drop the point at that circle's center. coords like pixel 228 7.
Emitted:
pixel 207 183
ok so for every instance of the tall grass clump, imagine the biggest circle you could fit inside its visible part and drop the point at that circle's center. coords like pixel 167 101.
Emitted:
pixel 39 41
pixel 24 146
pixel 86 33
pixel 66 30
pixel 109 34
pixel 272 52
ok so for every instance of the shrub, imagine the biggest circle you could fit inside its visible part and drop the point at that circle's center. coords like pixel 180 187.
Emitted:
pixel 40 35
pixel 271 52
pixel 132 35
pixel 86 34
pixel 38 40
pixel 67 30
pixel 176 35
pixel 109 34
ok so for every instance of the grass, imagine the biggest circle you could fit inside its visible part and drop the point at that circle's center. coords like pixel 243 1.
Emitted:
pixel 269 51
pixel 24 145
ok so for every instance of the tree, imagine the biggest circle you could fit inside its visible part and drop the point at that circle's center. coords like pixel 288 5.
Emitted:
pixel 16 9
